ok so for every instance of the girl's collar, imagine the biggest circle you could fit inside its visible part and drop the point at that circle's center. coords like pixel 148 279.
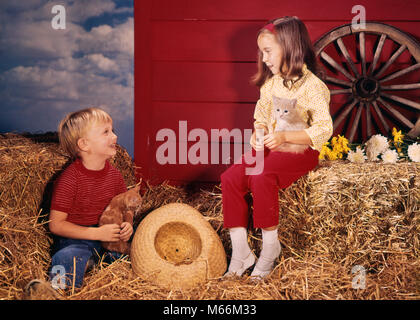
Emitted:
pixel 297 82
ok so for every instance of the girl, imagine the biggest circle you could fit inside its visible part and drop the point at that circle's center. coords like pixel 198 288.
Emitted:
pixel 286 68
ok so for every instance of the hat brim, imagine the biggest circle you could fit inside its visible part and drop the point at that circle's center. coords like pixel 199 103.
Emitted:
pixel 175 247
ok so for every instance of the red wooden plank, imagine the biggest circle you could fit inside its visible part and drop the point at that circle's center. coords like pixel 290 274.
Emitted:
pixel 203 81
pixel 186 163
pixel 214 40
pixel 182 174
pixel 323 10
pixel 206 116
pixel 229 40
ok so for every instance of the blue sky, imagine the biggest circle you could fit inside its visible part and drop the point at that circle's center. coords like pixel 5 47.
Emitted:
pixel 46 73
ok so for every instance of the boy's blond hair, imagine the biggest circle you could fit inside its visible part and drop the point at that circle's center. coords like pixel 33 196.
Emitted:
pixel 74 126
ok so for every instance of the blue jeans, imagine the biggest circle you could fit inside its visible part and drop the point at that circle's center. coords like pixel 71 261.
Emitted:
pixel 70 253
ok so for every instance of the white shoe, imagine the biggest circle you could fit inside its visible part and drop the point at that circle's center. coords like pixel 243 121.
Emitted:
pixel 237 266
pixel 265 264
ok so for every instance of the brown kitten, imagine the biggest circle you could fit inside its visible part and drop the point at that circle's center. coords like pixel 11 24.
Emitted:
pixel 121 209
pixel 288 119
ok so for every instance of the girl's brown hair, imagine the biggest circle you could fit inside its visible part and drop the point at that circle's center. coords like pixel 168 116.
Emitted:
pixel 297 49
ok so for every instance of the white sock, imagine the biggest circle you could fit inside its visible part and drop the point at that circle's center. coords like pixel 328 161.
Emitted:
pixel 271 245
pixel 242 257
pixel 239 239
pixel 269 237
pixel 271 249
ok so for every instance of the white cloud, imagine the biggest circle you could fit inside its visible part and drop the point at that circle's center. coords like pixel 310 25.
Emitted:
pixel 107 39
pixel 37 39
pixel 63 68
pixel 103 63
pixel 63 90
pixel 46 73
pixel 77 11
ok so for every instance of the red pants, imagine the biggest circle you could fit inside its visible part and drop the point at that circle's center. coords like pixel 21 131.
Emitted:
pixel 280 171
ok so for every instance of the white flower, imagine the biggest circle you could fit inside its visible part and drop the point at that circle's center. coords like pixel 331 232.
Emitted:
pixel 414 152
pixel 356 156
pixel 390 156
pixel 376 145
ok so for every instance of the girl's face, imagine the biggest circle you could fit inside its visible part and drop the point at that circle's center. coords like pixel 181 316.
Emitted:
pixel 271 51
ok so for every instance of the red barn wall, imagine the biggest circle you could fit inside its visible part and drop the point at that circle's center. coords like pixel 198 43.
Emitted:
pixel 194 59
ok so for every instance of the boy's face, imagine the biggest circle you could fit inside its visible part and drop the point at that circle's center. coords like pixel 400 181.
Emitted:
pixel 101 140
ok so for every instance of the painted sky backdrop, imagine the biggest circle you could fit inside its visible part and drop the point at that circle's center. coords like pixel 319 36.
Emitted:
pixel 47 73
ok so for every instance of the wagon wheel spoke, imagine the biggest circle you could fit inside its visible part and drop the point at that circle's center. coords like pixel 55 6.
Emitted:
pixel 391 60
pixel 408 86
pixel 355 123
pixel 362 51
pixel 346 55
pixel 381 117
pixel 368 120
pixel 334 64
pixel 402 100
pixel 396 113
pixel 401 72
pixel 340 91
pixel 338 81
pixel 344 114
pixel 377 54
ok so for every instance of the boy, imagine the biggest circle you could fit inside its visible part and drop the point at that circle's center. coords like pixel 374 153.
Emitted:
pixel 82 192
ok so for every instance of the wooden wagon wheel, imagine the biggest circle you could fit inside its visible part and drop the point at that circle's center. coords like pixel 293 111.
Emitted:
pixel 370 87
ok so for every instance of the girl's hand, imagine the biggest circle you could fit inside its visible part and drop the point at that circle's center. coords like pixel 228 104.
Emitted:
pixel 126 231
pixel 108 232
pixel 253 141
pixel 273 140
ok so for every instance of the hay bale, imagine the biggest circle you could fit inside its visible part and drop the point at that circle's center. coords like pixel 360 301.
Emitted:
pixel 364 211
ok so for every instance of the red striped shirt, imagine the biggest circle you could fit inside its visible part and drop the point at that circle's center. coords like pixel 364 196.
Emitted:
pixel 84 194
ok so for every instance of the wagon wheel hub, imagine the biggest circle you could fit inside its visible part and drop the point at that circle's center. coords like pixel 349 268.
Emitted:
pixel 366 89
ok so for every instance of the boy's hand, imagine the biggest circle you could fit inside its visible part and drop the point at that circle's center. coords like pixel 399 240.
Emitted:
pixel 109 232
pixel 126 231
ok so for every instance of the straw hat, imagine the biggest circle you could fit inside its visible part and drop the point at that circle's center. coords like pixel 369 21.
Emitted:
pixel 175 247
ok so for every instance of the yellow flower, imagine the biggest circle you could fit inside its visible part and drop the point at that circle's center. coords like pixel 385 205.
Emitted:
pixel 339 147
pixel 332 155
pixel 344 143
pixel 324 151
pixel 398 136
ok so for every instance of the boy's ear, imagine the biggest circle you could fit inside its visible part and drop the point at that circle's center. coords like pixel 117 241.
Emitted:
pixel 82 144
